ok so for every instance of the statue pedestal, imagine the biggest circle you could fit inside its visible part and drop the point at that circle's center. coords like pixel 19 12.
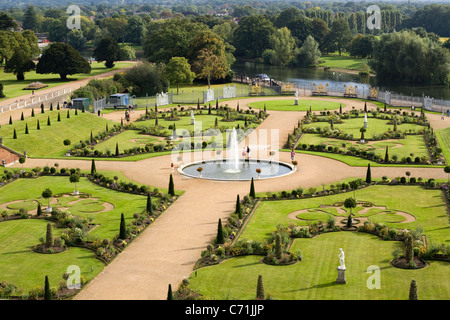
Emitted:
pixel 296 102
pixel 341 276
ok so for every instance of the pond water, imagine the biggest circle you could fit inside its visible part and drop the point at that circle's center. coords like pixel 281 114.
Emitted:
pixel 306 76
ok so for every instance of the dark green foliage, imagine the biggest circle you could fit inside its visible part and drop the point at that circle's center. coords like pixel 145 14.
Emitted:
pixel 123 228
pixel 169 293
pixel 149 208
pixel 39 210
pixel 386 156
pixel 368 174
pixel 10 120
pixel 108 50
pixel 220 238
pixel 61 58
pixel 117 149
pixel 252 189
pixel 21 117
pixel 26 128
pixel 413 290
pixel 38 127
pixel 32 112
pixel 409 248
pixel 42 108
pixel 171 186
pixel 59 117
pixel 48 121
pixel 68 114
pixel 47 291
pixel 49 235
pixel 278 248
pixel 93 169
pixel 51 106
pixel 1 91
pixel 260 294
pixel 14 134
pixel 238 207
pixel 19 63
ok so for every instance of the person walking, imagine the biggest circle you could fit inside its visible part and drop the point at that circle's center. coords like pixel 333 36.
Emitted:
pixel 292 154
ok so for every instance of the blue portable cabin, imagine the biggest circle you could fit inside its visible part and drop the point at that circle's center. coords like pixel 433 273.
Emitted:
pixel 119 100
pixel 81 103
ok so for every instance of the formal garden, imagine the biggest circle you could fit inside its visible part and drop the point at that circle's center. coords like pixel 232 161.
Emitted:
pixel 291 240
pixel 382 136
pixel 68 217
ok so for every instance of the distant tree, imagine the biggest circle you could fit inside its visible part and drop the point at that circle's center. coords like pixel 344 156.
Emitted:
pixel 47 194
pixel 339 36
pixel 107 50
pixel 238 207
pixel 7 21
pixel 62 59
pixel 251 37
pixel 30 18
pixel 149 207
pixel 76 39
pixel 49 235
pixel 350 203
pixel 19 64
pixel 2 95
pixel 178 71
pixel 309 53
pixel 282 47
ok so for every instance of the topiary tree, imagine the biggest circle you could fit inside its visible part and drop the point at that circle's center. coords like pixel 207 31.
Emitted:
pixel 413 290
pixel 38 126
pixel 19 63
pixel 386 155
pixel 278 249
pixel 148 207
pixel 49 235
pixel 171 186
pixel 447 170
pixel 74 178
pixel 252 189
pixel 117 149
pixel 123 228
pixel 350 203
pixel 362 130
pixel 10 120
pixel 220 238
pixel 2 95
pixel 238 207
pixel 14 134
pixel 169 293
pixel 409 249
pixel 93 169
pixel 47 291
pixel 368 174
pixel 108 50
pixel 26 128
pixel 47 194
pixel 48 121
pixel 260 295
pixel 22 161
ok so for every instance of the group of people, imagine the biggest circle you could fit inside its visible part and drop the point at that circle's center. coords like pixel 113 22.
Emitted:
pixel 448 114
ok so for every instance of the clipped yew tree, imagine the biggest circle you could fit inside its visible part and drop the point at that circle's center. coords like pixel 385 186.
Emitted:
pixel 63 59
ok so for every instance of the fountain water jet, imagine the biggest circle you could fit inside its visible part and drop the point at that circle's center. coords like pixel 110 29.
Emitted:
pixel 233 156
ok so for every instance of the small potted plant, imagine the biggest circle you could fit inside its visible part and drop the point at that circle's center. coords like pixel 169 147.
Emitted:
pixel 199 170
pixel 294 162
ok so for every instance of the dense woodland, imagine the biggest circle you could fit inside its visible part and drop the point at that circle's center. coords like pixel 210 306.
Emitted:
pixel 201 40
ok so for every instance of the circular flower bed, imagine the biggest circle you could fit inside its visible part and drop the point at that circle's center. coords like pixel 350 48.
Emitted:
pixel 402 263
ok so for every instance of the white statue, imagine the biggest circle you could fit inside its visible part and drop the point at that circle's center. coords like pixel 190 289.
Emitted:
pixel 296 94
pixel 192 117
pixel 341 259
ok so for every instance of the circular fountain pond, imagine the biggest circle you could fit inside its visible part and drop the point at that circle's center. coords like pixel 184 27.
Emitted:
pixel 230 169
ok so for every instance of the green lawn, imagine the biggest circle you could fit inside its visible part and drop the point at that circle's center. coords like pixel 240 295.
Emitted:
pixel 427 206
pixel 374 126
pixel 303 105
pixel 48 141
pixel 314 277
pixel 126 140
pixel 443 136
pixel 108 222
pixel 13 88
pixel 343 62
pixel 26 269
pixel 401 147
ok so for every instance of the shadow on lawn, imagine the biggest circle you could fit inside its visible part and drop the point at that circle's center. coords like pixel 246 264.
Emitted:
pixel 317 286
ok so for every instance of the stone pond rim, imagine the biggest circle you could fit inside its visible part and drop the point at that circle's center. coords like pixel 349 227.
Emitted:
pixel 217 169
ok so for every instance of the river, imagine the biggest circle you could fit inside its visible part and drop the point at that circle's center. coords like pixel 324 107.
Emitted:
pixel 307 76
